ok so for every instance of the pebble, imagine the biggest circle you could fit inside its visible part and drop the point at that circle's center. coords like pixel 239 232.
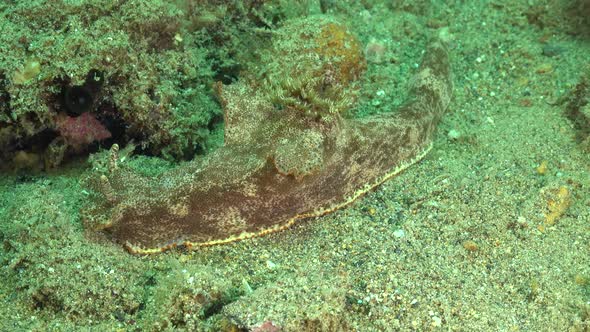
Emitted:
pixel 436 321
pixel 270 264
pixel 454 134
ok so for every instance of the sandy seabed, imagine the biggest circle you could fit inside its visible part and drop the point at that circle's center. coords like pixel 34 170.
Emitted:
pixel 490 232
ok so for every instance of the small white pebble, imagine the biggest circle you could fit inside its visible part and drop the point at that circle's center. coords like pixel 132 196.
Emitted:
pixel 399 233
pixel 270 264
pixel 492 94
pixel 436 321
pixel 366 14
pixel 51 270
pixel 380 93
pixel 246 286
pixel 453 134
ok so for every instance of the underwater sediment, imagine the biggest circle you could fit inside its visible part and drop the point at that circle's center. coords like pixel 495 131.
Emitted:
pixel 106 103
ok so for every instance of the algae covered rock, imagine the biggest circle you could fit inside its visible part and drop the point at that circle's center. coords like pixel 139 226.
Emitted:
pixel 136 68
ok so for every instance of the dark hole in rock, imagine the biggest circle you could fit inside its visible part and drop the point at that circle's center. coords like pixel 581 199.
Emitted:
pixel 4 97
pixel 89 100
pixel 227 74
pixel 116 126
pixel 78 99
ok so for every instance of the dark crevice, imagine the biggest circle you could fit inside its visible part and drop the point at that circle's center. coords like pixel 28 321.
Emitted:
pixel 578 101
pixel 4 98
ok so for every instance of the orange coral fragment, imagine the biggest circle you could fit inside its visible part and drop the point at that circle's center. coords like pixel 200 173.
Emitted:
pixel 470 245
pixel 557 204
pixel 336 42
pixel 542 168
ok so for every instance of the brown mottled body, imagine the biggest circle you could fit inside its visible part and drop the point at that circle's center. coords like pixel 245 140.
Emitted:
pixel 276 167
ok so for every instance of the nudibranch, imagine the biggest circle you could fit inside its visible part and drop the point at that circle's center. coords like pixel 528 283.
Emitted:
pixel 286 156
